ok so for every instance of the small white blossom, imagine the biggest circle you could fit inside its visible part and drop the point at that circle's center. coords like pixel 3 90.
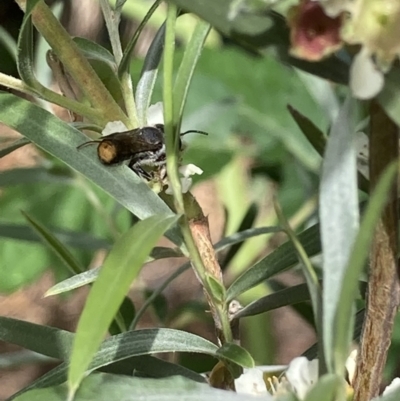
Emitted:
pixel 251 381
pixel 366 80
pixel 302 374
pixel 393 386
pixel 155 114
pixel 114 126
pixel 186 172
pixel 351 365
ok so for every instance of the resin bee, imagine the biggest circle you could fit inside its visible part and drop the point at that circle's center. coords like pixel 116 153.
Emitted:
pixel 143 147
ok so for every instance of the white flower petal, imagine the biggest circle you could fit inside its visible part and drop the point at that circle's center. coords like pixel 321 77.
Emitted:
pixel 351 364
pixel 114 126
pixel 366 80
pixel 302 374
pixel 168 190
pixel 362 147
pixel 333 8
pixel 155 114
pixel 186 183
pixel 394 385
pixel 251 381
pixel 190 169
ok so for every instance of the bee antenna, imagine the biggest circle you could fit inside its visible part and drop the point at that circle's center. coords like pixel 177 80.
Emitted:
pixel 195 131
pixel 87 143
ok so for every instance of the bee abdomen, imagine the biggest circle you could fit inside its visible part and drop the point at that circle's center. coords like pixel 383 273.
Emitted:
pixel 107 152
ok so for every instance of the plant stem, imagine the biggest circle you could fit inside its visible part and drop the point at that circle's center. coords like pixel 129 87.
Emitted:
pixel 112 23
pixel 75 63
pixel 193 224
pixel 383 287
pixel 52 97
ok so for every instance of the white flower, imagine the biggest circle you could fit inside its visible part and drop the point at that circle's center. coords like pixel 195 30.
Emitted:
pixel 114 126
pixel 302 374
pixel 251 381
pixel 155 114
pixel 392 387
pixel 351 365
pixel 366 80
pixel 186 172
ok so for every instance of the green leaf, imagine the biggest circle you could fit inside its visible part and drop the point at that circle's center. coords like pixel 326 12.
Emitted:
pixel 124 317
pixel 217 288
pixel 106 387
pixel 311 353
pixel 237 354
pixel 221 245
pixel 68 237
pixel 279 260
pixel 310 130
pixel 318 141
pixel 327 388
pixel 14 146
pixel 126 58
pixel 55 245
pixel 91 275
pixel 45 340
pixel 148 75
pixel 389 97
pixel 311 277
pixel 8 42
pixel 93 50
pixel 241 236
pixel 160 305
pixel 25 57
pixel 34 174
pixel 61 140
pixel 339 217
pixel 262 32
pixel 343 321
pixel 76 281
pixel 246 224
pixel 133 344
pixel 188 64
pixel 309 272
pixel 119 270
pixel 288 296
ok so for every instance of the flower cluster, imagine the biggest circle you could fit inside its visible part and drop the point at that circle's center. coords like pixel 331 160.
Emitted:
pixel 321 27
pixel 299 378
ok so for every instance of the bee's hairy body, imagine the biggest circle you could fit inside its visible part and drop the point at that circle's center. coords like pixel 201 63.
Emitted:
pixel 143 147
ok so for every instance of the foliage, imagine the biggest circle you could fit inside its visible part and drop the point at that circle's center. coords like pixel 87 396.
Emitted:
pixel 277 129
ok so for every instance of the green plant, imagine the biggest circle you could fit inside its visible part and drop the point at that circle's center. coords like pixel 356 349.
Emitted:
pixel 108 88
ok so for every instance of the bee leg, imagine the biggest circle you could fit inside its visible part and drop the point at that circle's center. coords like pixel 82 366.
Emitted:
pixel 135 166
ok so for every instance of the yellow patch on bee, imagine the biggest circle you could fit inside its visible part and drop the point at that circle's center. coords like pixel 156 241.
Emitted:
pixel 107 152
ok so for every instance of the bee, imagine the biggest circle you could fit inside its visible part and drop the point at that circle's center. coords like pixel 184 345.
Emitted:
pixel 143 147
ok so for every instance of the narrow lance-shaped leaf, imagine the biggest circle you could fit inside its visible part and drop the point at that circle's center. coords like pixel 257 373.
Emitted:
pixel 344 321
pixel 61 140
pixel 55 245
pixel 339 217
pixel 14 146
pixel 120 268
pixel 106 387
pixel 148 76
pixel 188 64
pixel 276 262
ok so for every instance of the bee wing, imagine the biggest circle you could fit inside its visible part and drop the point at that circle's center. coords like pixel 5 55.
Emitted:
pixel 137 139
